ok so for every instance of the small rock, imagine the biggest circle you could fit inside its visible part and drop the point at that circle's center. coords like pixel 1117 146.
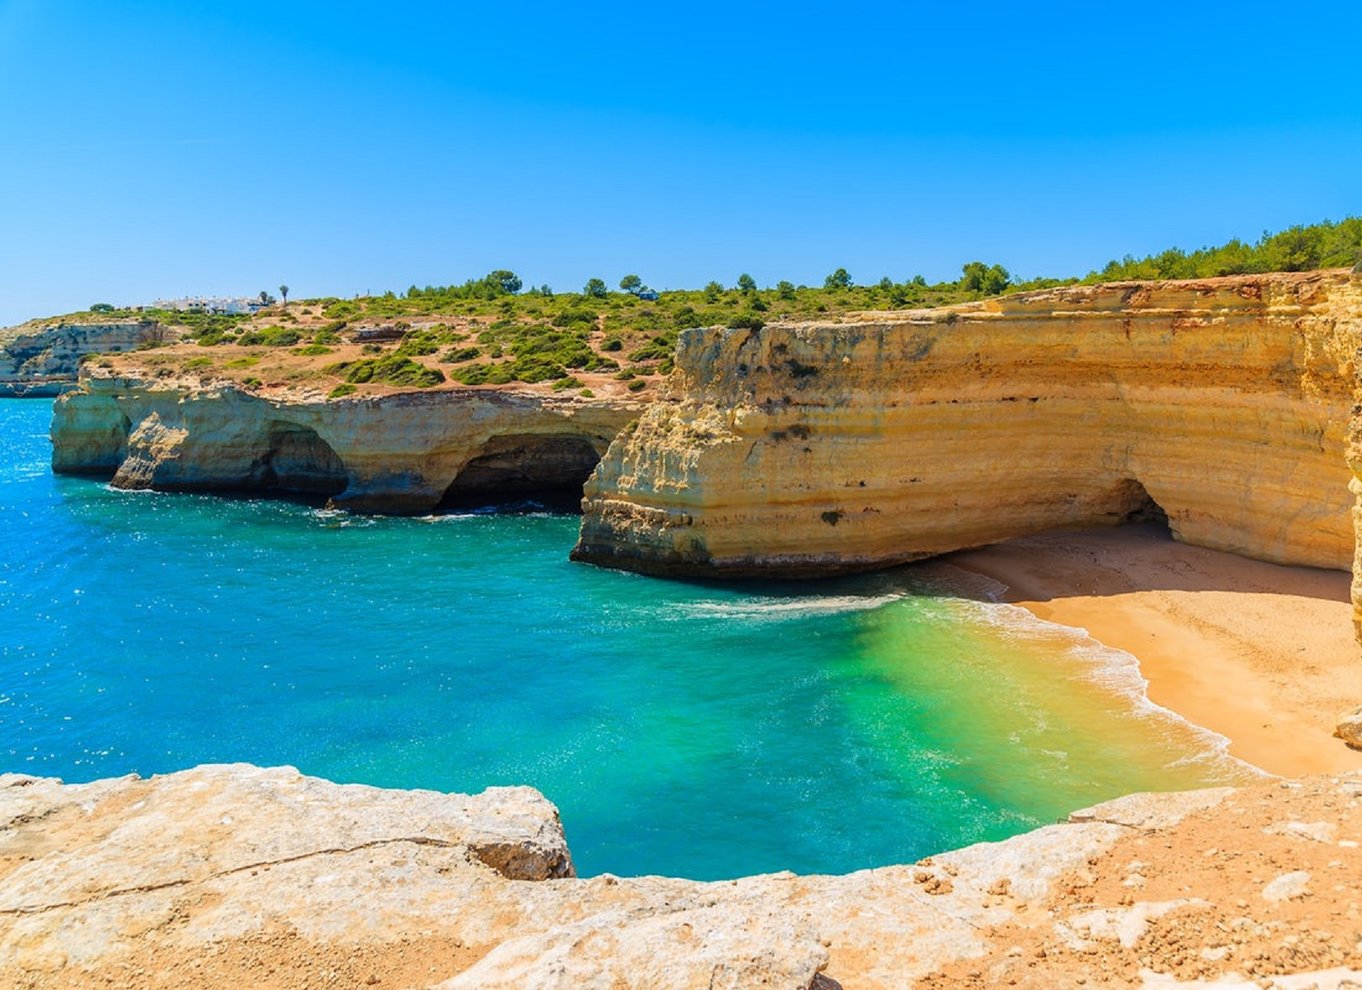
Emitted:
pixel 1287 886
pixel 1349 728
pixel 1314 831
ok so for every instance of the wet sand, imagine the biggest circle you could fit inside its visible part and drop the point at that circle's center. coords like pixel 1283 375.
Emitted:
pixel 1260 653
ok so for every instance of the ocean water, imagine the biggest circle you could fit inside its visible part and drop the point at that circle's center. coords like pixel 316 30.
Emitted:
pixel 688 729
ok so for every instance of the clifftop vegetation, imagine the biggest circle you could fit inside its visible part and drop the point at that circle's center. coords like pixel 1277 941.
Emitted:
pixel 494 330
pixel 1296 249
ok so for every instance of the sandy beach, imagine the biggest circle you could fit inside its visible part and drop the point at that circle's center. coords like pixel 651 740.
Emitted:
pixel 1260 653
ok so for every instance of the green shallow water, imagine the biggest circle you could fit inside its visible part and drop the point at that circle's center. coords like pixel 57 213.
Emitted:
pixel 687 729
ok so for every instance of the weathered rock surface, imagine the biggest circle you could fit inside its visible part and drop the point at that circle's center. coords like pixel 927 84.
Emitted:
pixel 44 359
pixel 404 453
pixel 817 448
pixel 1349 728
pixel 236 875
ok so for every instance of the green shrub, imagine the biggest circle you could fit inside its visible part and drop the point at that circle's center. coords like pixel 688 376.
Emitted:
pixel 312 350
pixel 575 316
pixel 271 337
pixel 428 341
pixel 484 374
pixel 394 369
pixel 686 317
pixel 341 390
pixel 598 363
pixel 660 348
pixel 198 362
pixel 613 344
pixel 637 385
pixel 460 354
pixel 341 310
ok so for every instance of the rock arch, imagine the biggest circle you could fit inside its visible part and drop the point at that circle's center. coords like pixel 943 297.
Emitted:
pixel 549 469
pixel 298 460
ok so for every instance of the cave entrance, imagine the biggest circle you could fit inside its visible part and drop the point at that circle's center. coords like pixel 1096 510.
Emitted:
pixel 1132 503
pixel 525 472
pixel 300 462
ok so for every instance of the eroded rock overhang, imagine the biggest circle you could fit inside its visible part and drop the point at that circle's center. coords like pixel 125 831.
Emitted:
pixel 406 453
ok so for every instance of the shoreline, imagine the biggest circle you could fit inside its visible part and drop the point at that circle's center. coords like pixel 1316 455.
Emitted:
pixel 1262 654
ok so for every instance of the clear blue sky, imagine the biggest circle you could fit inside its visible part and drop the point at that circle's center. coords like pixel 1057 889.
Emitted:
pixel 155 149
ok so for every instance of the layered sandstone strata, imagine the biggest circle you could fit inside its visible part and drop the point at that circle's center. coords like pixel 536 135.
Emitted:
pixel 810 449
pixel 44 360
pixel 402 453
pixel 234 876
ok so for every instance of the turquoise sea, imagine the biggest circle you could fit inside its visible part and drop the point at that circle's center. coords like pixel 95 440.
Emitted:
pixel 697 730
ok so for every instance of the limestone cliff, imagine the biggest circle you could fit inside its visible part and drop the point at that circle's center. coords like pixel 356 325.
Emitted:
pixel 809 449
pixel 235 876
pixel 43 359
pixel 402 453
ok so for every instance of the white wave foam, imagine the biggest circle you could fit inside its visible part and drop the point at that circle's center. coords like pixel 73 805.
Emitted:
pixel 1113 669
pixel 772 608
pixel 340 519
pixel 465 516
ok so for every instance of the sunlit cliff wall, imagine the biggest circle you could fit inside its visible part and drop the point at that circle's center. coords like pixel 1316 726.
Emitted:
pixel 818 448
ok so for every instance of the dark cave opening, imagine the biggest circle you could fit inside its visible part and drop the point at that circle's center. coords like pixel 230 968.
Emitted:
pixel 1132 503
pixel 525 472
pixel 299 461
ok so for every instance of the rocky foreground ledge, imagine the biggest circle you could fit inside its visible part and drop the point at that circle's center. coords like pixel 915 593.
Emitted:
pixel 233 876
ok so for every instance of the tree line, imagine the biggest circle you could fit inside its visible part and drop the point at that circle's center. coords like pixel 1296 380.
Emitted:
pixel 1297 249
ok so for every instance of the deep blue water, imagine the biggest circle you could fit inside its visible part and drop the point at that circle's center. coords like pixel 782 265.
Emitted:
pixel 684 729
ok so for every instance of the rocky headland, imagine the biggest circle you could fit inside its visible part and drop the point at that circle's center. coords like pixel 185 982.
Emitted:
pixel 42 358
pixel 1222 405
pixel 236 876
pixel 404 452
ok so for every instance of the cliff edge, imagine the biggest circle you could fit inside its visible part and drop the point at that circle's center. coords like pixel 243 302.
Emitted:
pixel 236 875
pixel 405 452
pixel 42 359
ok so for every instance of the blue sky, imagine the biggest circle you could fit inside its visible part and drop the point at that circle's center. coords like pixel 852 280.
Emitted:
pixel 155 149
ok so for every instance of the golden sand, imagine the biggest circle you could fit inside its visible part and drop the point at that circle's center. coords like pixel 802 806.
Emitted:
pixel 1260 653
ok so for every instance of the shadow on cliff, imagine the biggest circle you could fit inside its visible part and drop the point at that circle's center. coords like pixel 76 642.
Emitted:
pixel 1137 557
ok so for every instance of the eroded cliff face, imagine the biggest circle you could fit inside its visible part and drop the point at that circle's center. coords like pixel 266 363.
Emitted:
pixel 402 453
pixel 44 360
pixel 810 449
pixel 227 876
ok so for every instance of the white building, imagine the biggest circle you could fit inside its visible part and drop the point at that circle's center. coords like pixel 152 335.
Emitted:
pixel 211 304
